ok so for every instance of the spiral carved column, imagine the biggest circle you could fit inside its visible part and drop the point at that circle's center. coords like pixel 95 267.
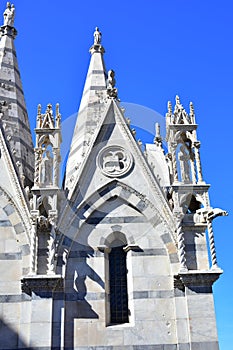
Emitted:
pixel 33 247
pixel 181 246
pixel 198 161
pixel 174 162
pixel 56 166
pixel 212 245
pixel 37 167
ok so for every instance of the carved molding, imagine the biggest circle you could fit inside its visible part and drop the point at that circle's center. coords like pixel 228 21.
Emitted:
pixel 198 278
pixel 22 207
pixel 37 284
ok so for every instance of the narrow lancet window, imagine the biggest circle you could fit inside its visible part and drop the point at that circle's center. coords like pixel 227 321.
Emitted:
pixel 119 312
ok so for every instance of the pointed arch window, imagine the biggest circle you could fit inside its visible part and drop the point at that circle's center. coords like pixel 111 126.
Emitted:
pixel 119 312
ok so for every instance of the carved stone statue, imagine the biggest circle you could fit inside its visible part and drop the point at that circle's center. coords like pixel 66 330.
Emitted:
pixel 97 36
pixel 46 169
pixel 9 15
pixel 111 79
pixel 184 159
pixel 111 90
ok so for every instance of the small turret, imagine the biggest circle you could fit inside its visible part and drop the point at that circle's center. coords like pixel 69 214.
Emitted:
pixel 44 206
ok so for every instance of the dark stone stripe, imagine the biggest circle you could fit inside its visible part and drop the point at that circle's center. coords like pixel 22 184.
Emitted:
pixel 88 296
pixel 166 238
pixel 7 65
pixel 84 254
pixel 173 258
pixel 153 294
pixel 25 164
pixel 21 141
pixel 150 252
pixel 97 88
pixel 9 209
pixel 14 298
pixel 25 249
pixel 11 256
pixel 115 220
pixel 97 71
pixel 142 205
pixel 12 83
pixel 5 223
pixel 13 100
pixel 6 49
pixel 19 121
pixel 19 228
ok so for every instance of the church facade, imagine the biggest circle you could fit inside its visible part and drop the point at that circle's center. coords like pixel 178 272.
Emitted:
pixel 122 256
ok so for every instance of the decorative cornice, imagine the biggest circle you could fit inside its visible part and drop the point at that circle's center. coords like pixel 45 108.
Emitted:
pixel 42 283
pixel 198 278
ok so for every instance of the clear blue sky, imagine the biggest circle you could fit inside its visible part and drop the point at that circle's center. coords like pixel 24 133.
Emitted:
pixel 158 49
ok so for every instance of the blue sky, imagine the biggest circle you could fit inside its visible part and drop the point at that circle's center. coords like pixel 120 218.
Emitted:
pixel 158 49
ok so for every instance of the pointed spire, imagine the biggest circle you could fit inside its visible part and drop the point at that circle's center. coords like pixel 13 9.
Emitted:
pixel 92 106
pixel 14 118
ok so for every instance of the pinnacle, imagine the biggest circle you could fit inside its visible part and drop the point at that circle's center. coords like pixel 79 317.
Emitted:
pixel 14 117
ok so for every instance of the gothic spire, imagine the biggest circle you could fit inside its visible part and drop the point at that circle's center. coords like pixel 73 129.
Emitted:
pixel 13 116
pixel 91 108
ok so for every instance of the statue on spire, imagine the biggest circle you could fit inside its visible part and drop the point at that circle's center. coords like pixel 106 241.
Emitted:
pixel 97 36
pixel 111 90
pixel 9 15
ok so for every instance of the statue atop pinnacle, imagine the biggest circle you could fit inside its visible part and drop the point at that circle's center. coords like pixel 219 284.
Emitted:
pixel 97 36
pixel 9 14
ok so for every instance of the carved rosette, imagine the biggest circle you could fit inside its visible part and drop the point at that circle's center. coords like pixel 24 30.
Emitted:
pixel 114 161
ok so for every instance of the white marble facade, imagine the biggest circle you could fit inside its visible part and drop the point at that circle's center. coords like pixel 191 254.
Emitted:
pixel 118 257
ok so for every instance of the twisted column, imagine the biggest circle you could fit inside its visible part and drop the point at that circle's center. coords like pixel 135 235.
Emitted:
pixel 174 162
pixel 212 245
pixel 33 245
pixel 37 167
pixel 56 166
pixel 181 245
pixel 198 161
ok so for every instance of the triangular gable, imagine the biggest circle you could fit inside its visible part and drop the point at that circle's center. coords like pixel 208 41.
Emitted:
pixel 115 154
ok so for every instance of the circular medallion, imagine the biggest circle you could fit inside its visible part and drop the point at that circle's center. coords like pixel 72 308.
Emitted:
pixel 114 161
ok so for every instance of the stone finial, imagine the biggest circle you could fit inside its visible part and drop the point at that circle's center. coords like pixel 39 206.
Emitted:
pixel 58 116
pixel 191 108
pixel 9 15
pixel 177 100
pixel 169 107
pixel 97 36
pixel 158 138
